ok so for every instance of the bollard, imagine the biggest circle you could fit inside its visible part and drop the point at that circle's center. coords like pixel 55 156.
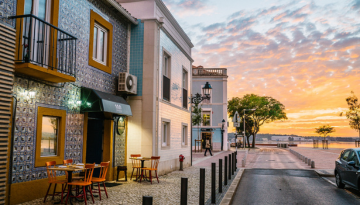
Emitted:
pixel 225 171
pixel 312 164
pixel 184 191
pixel 202 187
pixel 147 200
pixel 243 163
pixel 309 162
pixel 229 176
pixel 233 163
pixel 220 176
pixel 236 161
pixel 305 160
pixel 213 174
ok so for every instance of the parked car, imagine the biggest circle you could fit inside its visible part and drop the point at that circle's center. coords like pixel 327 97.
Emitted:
pixel 347 168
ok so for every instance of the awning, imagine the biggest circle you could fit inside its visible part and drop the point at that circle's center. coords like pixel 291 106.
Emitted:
pixel 97 101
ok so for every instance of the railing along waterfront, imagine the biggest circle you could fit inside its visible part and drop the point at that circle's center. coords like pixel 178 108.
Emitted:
pixel 45 45
pixel 209 72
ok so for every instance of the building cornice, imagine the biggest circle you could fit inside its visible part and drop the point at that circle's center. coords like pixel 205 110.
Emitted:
pixel 177 44
pixel 118 7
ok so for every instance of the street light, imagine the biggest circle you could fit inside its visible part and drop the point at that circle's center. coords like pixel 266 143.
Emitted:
pixel 198 99
pixel 222 133
pixel 244 123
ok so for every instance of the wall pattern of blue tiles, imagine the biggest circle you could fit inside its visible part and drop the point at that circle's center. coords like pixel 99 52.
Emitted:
pixel 178 62
pixel 74 18
pixel 136 54
pixel 7 8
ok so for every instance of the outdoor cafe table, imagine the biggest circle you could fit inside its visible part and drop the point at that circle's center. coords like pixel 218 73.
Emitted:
pixel 142 159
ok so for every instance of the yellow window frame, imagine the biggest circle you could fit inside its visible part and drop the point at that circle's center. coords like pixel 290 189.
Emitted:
pixel 94 17
pixel 43 111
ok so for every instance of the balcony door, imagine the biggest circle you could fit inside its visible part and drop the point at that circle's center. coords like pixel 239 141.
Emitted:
pixel 36 34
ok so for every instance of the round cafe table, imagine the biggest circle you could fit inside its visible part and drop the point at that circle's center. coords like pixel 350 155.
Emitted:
pixel 142 159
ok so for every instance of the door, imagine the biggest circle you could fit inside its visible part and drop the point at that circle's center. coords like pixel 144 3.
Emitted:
pixel 204 136
pixel 341 164
pixel 94 144
pixel 351 171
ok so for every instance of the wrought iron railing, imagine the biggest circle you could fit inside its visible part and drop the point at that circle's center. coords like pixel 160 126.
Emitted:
pixel 45 45
pixel 166 88
pixel 209 72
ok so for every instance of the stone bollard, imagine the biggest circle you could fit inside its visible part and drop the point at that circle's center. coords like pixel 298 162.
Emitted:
pixel 305 160
pixel 312 164
pixel 309 162
pixel 243 163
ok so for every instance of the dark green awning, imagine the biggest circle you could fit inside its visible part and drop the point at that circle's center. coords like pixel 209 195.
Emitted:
pixel 97 101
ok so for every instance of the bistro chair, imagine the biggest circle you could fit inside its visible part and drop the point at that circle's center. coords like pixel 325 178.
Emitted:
pixel 52 180
pixel 136 164
pixel 154 166
pixel 86 183
pixel 101 178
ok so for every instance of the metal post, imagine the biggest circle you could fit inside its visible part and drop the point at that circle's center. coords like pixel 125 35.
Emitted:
pixel 225 170
pixel 184 191
pixel 202 187
pixel 220 176
pixel 147 200
pixel 229 166
pixel 213 170
pixel 236 161
pixel 233 163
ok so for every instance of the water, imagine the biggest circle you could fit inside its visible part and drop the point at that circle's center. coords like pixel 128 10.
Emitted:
pixel 334 145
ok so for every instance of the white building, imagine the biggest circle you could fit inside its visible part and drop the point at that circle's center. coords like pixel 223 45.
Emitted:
pixel 161 59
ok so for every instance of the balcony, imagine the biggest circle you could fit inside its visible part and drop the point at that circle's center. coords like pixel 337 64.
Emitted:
pixel 221 72
pixel 44 51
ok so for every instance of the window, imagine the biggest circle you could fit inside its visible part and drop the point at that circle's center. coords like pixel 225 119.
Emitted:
pixel 202 93
pixel 345 155
pixel 184 135
pixel 165 139
pixel 100 45
pixel 206 118
pixel 50 136
pixel 185 88
pixel 166 76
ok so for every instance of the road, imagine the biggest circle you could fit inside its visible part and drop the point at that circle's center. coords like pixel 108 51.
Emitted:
pixel 277 177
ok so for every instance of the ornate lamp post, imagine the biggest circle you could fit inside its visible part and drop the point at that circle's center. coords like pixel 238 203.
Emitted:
pixel 198 99
pixel 222 133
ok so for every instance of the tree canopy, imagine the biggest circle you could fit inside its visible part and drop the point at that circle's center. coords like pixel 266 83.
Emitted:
pixel 353 114
pixel 324 130
pixel 267 110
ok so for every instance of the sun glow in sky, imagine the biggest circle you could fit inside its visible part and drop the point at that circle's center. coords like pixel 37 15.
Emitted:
pixel 303 53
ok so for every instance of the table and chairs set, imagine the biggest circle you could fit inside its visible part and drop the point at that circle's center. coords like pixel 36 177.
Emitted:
pixel 85 180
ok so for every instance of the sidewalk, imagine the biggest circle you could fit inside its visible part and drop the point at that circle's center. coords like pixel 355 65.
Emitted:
pixel 324 158
pixel 199 160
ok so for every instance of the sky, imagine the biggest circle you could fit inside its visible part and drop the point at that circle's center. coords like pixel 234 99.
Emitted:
pixel 303 53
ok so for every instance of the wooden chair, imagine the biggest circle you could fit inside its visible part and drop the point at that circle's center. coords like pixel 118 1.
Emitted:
pixel 136 164
pixel 154 165
pixel 70 162
pixel 52 180
pixel 86 183
pixel 101 179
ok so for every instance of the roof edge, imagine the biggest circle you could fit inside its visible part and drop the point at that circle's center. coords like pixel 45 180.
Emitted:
pixel 121 9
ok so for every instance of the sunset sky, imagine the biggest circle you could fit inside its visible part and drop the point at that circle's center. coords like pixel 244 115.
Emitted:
pixel 303 53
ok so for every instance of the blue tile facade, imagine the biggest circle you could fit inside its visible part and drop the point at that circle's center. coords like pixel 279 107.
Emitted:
pixel 7 8
pixel 137 54
pixel 74 18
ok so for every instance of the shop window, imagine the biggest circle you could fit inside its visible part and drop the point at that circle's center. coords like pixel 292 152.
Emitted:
pixel 206 115
pixel 50 136
pixel 166 75
pixel 165 138
pixel 100 45
pixel 184 135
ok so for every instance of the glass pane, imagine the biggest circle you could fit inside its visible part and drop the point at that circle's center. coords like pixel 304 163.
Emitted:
pixel 95 43
pixel 166 66
pixel 101 38
pixel 28 5
pixel 164 131
pixel 49 136
pixel 42 9
pixel 206 118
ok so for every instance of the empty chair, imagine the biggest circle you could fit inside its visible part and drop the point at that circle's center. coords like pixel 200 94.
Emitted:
pixel 136 164
pixel 101 179
pixel 154 165
pixel 52 180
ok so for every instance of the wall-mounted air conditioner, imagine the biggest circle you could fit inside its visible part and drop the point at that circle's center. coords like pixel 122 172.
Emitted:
pixel 127 83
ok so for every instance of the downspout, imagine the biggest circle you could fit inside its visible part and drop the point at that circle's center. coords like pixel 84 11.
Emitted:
pixel 11 148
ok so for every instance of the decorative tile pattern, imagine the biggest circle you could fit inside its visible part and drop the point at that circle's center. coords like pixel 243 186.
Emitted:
pixel 7 8
pixel 136 54
pixel 119 149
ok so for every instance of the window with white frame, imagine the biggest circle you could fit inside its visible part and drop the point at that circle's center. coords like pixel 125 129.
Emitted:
pixel 166 76
pixel 206 116
pixel 165 138
pixel 100 44
pixel 184 135
pixel 206 101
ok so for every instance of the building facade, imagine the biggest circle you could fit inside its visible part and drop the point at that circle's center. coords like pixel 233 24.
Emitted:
pixel 161 59
pixel 214 111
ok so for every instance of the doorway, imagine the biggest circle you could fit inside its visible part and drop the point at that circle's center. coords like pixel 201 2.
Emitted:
pixel 94 144
pixel 204 136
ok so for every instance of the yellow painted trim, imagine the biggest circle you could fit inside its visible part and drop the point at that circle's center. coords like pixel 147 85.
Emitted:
pixel 43 73
pixel 86 114
pixel 108 146
pixel 7 190
pixel 94 17
pixel 42 111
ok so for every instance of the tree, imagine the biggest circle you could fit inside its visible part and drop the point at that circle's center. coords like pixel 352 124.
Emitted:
pixel 353 114
pixel 324 130
pixel 267 110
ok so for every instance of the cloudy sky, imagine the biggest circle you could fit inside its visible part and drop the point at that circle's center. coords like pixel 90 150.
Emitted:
pixel 303 53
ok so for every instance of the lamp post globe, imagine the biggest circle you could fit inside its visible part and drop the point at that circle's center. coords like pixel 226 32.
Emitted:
pixel 207 89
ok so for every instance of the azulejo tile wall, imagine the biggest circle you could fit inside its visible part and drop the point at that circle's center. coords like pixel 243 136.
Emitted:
pixel 137 54
pixel 7 8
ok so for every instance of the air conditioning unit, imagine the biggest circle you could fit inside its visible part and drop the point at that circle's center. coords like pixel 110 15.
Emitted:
pixel 127 83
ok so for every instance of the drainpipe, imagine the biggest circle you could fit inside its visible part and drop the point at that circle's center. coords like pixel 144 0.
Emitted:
pixel 11 148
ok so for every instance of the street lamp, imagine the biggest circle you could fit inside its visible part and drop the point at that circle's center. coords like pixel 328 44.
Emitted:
pixel 244 123
pixel 198 99
pixel 222 133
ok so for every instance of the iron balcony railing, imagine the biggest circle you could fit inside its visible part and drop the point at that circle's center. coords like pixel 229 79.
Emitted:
pixel 45 45
pixel 209 72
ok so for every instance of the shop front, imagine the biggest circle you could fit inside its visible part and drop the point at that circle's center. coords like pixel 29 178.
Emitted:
pixel 105 130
